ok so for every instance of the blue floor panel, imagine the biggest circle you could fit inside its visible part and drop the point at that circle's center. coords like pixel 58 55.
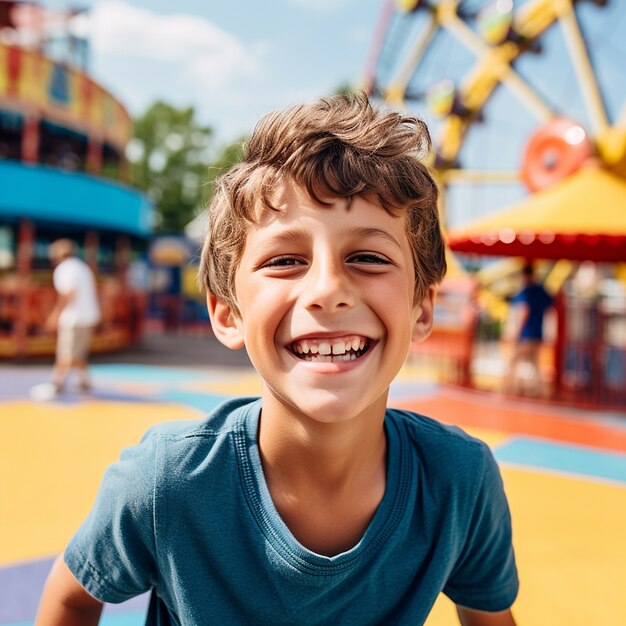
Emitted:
pixel 568 459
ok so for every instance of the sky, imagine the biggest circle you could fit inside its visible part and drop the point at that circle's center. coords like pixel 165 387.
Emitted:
pixel 231 60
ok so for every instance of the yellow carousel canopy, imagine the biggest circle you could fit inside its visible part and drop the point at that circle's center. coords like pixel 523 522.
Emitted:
pixel 581 218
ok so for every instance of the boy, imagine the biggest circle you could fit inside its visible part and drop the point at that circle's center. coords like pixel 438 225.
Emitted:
pixel 313 504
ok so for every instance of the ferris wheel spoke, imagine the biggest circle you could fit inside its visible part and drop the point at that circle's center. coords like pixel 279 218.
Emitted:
pixel 621 118
pixel 535 17
pixel 375 51
pixel 455 175
pixel 496 63
pixel 494 68
pixel 397 87
pixel 527 95
pixel 584 70
pixel 448 17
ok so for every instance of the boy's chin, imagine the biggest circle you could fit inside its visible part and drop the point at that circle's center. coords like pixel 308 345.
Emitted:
pixel 326 407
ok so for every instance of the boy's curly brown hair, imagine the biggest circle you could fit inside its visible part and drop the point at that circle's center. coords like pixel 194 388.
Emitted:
pixel 337 147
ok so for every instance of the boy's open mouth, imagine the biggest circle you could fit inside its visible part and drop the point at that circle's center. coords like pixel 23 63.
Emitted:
pixel 347 348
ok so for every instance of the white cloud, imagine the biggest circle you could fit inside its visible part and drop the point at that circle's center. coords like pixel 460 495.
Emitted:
pixel 202 52
pixel 186 60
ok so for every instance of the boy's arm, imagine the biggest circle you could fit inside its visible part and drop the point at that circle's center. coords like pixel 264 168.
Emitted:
pixel 63 299
pixel 469 617
pixel 64 601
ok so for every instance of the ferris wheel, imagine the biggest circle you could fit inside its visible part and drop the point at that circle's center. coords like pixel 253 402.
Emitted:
pixel 519 95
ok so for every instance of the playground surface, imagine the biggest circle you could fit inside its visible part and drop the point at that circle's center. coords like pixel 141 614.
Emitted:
pixel 564 471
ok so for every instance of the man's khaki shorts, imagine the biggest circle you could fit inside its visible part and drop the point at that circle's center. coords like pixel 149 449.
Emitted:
pixel 73 344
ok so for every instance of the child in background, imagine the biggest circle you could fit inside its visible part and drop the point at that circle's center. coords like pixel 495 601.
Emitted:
pixel 528 311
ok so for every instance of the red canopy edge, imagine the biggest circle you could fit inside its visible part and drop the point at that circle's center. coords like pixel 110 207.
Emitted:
pixel 580 247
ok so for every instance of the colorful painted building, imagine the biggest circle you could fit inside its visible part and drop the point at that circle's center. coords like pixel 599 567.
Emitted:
pixel 63 173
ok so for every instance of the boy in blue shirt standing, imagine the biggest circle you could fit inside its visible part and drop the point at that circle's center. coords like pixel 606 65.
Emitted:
pixel 314 504
pixel 530 306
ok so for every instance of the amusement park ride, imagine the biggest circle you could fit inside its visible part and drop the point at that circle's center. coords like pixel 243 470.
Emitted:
pixel 62 174
pixel 528 95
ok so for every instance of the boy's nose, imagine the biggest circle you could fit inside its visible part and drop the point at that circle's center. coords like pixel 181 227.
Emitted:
pixel 327 287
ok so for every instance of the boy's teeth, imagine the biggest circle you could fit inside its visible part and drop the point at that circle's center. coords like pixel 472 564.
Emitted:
pixel 339 348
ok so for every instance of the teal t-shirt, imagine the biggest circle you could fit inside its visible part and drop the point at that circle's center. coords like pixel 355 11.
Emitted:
pixel 187 513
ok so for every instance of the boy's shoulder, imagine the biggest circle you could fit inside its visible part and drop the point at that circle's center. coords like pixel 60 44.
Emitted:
pixel 448 446
pixel 429 428
pixel 453 464
pixel 227 417
pixel 172 451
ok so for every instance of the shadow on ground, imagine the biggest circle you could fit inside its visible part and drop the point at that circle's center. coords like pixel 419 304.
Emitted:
pixel 166 349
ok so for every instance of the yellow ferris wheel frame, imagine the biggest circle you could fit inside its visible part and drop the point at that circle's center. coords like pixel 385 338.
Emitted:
pixel 494 66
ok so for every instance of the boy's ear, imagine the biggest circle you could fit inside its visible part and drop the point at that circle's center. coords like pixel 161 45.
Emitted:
pixel 424 316
pixel 224 322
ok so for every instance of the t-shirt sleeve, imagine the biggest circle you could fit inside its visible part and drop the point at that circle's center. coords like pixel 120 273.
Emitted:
pixel 548 300
pixel 64 278
pixel 113 553
pixel 484 576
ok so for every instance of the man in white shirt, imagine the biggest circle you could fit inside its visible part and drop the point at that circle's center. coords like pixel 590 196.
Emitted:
pixel 75 315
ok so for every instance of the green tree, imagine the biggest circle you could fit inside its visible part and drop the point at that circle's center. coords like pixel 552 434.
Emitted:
pixel 170 155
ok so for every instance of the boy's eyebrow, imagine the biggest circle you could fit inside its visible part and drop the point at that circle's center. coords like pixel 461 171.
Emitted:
pixel 364 233
pixel 288 235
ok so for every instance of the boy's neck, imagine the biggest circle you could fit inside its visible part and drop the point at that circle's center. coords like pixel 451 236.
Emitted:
pixel 326 479
pixel 331 456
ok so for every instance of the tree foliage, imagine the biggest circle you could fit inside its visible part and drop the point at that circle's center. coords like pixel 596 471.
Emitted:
pixel 170 157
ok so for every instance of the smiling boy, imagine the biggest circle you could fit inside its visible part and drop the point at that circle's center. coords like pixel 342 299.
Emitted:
pixel 314 504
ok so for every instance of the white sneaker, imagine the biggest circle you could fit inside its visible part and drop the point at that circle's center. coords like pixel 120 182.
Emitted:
pixel 44 392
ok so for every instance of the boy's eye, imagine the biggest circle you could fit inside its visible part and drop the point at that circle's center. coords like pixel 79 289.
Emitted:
pixel 282 261
pixel 369 257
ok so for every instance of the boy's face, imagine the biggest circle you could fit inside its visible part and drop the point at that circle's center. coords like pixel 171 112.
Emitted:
pixel 326 305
